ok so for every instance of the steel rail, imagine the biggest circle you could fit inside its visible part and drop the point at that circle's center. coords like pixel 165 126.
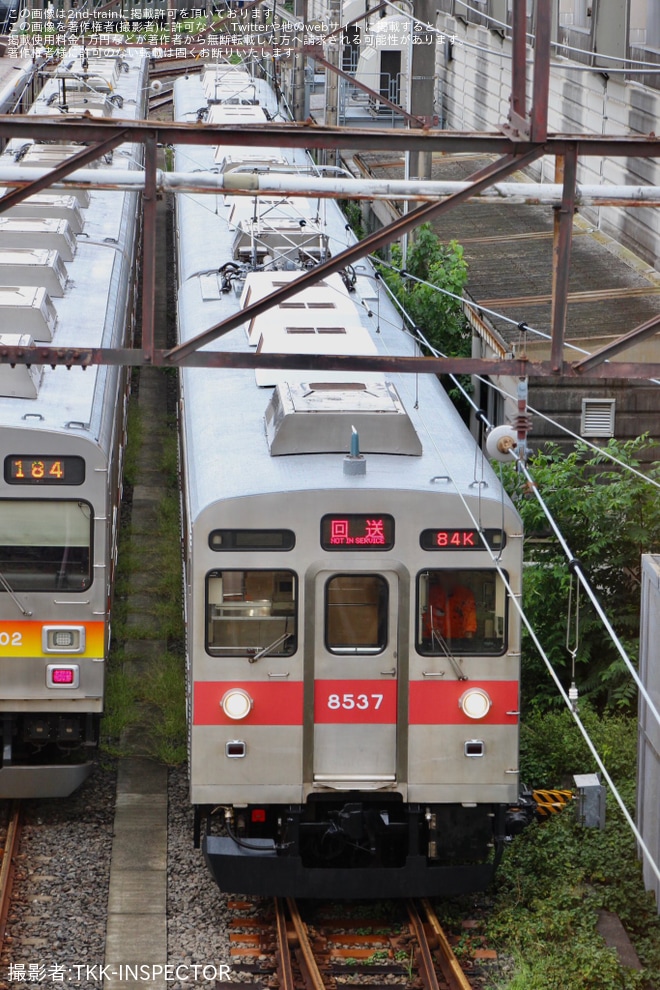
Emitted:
pixel 449 964
pixel 424 958
pixel 311 972
pixel 283 952
pixel 9 854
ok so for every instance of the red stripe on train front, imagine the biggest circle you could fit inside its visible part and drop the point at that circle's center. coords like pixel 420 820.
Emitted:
pixel 273 704
pixel 351 702
pixel 439 703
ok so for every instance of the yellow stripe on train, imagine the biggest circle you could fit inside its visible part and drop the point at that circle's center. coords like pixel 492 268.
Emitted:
pixel 25 639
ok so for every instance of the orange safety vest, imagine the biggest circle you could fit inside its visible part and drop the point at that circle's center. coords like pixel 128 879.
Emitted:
pixel 452 616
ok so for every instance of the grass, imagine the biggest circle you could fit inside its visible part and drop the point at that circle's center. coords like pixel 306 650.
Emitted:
pixel 155 699
pixel 541 914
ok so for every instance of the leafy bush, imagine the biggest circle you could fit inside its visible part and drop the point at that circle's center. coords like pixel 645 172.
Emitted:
pixel 609 517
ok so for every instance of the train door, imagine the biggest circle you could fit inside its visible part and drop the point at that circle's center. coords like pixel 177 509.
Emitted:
pixel 355 677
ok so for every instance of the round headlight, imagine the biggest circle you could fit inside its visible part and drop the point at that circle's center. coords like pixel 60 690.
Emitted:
pixel 236 703
pixel 475 703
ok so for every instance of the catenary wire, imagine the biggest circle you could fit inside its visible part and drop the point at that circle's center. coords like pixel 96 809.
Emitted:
pixel 573 563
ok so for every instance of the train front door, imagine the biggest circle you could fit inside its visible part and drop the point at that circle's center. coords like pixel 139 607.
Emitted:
pixel 355 664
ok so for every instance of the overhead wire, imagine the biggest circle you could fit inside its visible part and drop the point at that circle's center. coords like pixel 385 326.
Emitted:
pixel 514 597
pixel 574 564
pixel 507 319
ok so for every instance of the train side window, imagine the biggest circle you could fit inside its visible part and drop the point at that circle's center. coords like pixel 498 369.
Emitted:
pixel 461 611
pixel 356 613
pixel 251 613
pixel 46 544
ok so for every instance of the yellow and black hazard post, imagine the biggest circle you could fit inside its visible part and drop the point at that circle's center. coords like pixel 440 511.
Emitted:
pixel 550 802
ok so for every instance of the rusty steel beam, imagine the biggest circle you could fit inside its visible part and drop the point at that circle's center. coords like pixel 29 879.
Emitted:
pixel 541 79
pixel 480 180
pixel 518 109
pixel 561 257
pixel 642 332
pixel 78 129
pixel 60 171
pixel 517 367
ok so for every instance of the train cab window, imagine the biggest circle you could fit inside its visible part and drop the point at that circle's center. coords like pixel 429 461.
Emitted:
pixel 251 613
pixel 460 611
pixel 45 545
pixel 356 613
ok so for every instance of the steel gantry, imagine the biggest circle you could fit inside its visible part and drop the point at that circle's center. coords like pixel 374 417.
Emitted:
pixel 522 139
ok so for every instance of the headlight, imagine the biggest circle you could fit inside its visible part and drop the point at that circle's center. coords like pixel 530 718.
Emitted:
pixel 236 703
pixel 475 703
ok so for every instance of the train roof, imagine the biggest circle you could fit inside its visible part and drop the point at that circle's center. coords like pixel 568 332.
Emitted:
pixel 61 255
pixel 408 428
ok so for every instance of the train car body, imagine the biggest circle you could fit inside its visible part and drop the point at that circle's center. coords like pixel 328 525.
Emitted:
pixel 353 655
pixel 67 278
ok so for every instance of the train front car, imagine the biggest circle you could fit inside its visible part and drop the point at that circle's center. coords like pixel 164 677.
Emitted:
pixel 353 656
pixel 66 279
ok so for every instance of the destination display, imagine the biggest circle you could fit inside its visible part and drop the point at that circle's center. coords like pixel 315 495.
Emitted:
pixel 355 531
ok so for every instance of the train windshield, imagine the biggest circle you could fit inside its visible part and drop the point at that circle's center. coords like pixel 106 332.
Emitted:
pixel 461 611
pixel 45 545
pixel 356 613
pixel 251 613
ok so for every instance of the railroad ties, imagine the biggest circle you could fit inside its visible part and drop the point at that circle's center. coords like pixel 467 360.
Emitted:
pixel 284 950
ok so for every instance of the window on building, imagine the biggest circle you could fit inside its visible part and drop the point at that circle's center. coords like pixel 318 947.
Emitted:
pixel 597 418
pixel 575 13
pixel 644 29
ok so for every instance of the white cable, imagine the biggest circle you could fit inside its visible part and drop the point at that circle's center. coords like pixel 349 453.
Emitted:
pixel 512 596
pixel 573 562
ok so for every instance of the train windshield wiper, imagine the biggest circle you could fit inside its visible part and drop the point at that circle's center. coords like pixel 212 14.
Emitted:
pixel 267 650
pixel 12 594
pixel 442 643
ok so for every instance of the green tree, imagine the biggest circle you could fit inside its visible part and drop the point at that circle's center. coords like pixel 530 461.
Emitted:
pixel 439 316
pixel 609 517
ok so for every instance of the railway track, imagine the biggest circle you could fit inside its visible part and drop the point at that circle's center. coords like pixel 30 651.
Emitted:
pixel 324 952
pixel 10 838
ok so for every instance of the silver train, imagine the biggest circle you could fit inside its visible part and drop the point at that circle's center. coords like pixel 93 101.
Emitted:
pixel 66 277
pixel 353 653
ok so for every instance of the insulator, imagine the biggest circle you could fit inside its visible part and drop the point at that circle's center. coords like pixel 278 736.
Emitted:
pixel 522 422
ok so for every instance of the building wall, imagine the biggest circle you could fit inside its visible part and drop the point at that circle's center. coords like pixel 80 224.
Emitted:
pixel 474 74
